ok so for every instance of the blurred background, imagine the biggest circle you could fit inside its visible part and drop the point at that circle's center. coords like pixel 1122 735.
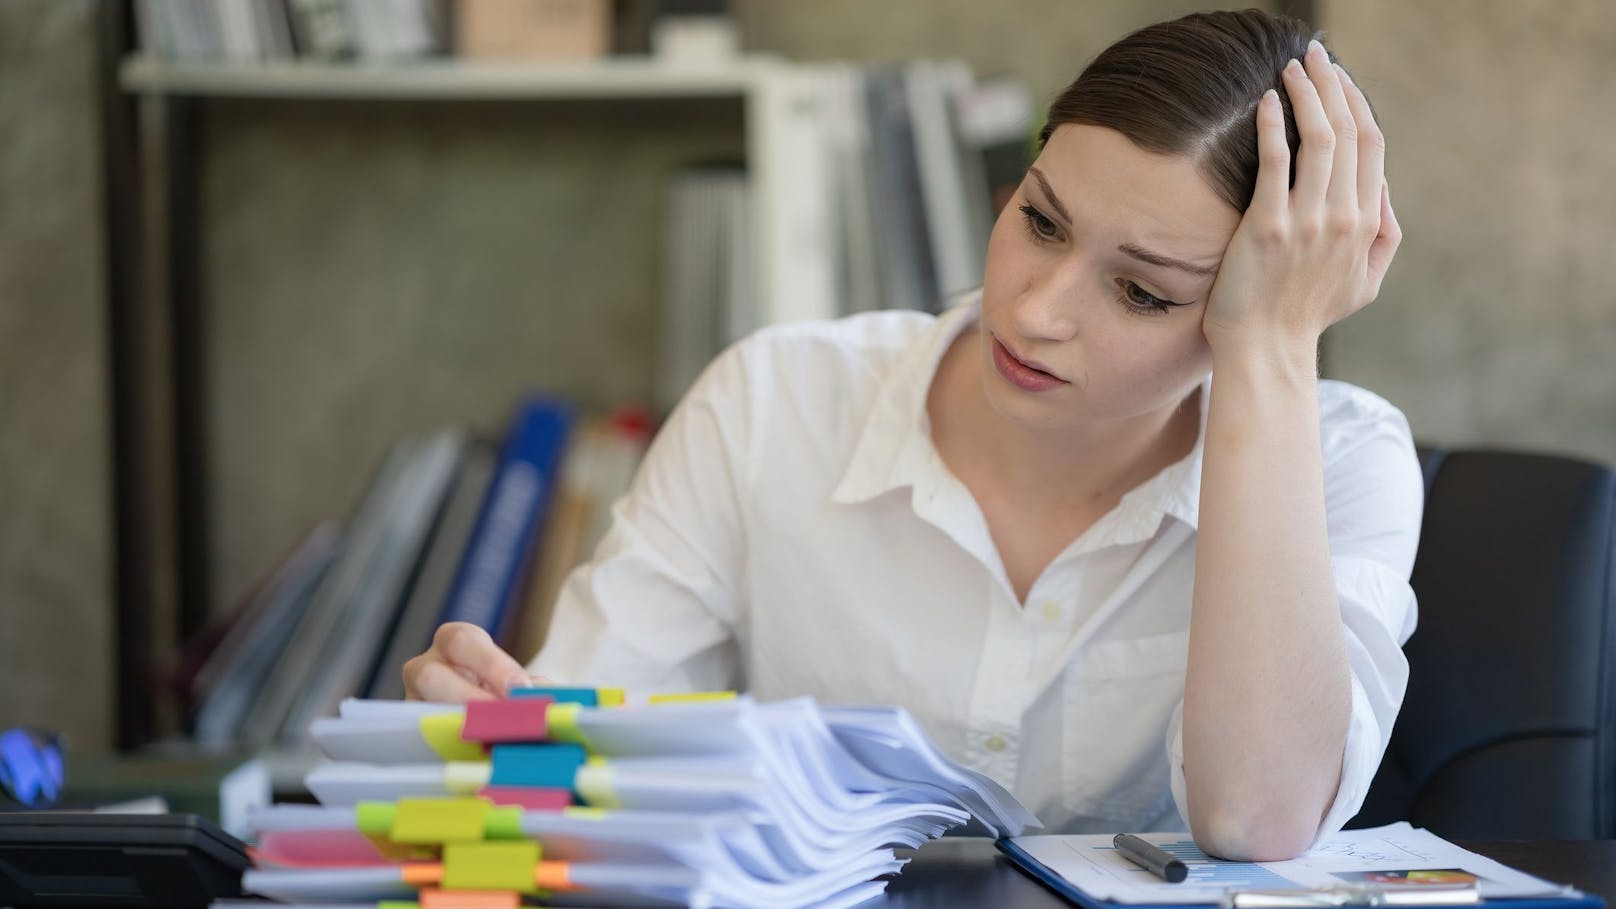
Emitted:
pixel 268 265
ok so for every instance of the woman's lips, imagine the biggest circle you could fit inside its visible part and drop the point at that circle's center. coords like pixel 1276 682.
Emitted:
pixel 1020 374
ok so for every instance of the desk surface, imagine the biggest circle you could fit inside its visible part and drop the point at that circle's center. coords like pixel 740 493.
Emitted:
pixel 971 872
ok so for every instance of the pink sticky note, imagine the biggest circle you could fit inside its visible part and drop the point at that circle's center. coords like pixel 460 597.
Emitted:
pixel 318 849
pixel 528 798
pixel 507 720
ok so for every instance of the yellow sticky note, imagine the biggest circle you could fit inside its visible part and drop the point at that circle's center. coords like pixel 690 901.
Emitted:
pixel 505 865
pixel 692 697
pixel 595 784
pixel 609 697
pixel 561 723
pixel 441 731
pixel 439 820
pixel 466 777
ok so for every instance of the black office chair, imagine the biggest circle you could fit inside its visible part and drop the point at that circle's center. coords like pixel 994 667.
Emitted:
pixel 1508 730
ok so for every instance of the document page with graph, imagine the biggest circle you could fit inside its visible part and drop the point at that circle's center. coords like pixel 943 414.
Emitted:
pixel 1396 855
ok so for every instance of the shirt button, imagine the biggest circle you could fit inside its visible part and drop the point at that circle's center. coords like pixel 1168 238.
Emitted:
pixel 995 743
pixel 1052 610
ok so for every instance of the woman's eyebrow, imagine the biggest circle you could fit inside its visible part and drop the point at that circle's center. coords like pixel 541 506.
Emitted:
pixel 1127 249
pixel 1145 255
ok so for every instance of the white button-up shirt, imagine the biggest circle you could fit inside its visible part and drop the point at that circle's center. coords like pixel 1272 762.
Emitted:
pixel 793 531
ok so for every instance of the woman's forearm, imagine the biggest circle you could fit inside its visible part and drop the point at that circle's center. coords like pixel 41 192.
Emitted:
pixel 1268 693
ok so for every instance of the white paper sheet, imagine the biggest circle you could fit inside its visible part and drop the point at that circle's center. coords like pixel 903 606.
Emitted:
pixel 1377 855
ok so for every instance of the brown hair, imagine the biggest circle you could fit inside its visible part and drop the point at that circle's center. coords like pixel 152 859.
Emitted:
pixel 1190 86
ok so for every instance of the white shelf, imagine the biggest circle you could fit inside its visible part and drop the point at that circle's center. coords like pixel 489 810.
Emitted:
pixel 447 79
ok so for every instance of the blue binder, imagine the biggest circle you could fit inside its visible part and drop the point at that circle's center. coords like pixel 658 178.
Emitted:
pixel 1574 899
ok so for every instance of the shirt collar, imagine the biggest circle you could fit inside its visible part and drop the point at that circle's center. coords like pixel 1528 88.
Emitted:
pixel 894 448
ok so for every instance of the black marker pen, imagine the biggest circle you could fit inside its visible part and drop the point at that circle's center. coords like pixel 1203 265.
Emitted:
pixel 1151 858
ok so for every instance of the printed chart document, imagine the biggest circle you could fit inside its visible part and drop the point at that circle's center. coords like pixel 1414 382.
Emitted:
pixel 1394 855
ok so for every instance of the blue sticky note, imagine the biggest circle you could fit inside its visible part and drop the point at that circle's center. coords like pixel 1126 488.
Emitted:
pixel 588 697
pixel 552 766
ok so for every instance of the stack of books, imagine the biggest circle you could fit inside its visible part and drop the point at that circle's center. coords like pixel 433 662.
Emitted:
pixel 570 795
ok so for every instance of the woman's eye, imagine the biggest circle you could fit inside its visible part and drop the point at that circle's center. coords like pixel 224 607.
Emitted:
pixel 1041 228
pixel 1141 300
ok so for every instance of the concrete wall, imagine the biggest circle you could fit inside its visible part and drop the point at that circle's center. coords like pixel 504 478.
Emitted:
pixel 55 512
pixel 1497 322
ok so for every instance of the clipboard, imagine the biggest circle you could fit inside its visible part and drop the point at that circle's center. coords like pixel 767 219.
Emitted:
pixel 1569 898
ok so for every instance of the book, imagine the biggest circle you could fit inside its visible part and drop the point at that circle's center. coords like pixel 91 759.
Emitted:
pixel 708 799
pixel 296 663
pixel 367 607
pixel 702 308
pixel 533 29
pixel 497 558
pixel 1341 869
pixel 224 685
pixel 909 276
pixel 599 467
pixel 417 620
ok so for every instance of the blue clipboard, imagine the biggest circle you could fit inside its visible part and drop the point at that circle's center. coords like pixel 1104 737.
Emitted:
pixel 1575 899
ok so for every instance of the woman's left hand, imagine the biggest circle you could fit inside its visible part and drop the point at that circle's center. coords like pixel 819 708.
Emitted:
pixel 1307 256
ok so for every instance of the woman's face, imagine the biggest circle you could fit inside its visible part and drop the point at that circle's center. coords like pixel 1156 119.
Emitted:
pixel 1085 317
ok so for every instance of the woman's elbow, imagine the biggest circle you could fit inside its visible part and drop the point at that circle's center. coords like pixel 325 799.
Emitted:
pixel 1243 834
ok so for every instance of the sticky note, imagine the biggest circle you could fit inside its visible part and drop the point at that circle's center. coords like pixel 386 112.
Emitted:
pixel 503 823
pixel 596 787
pixel 397 904
pixel 441 731
pixel 553 876
pixel 609 697
pixel 421 874
pixel 439 820
pixel 692 697
pixel 375 818
pixel 509 720
pixel 549 766
pixel 504 865
pixel 563 722
pixel 470 899
pixel 466 777
pixel 584 697
pixel 528 798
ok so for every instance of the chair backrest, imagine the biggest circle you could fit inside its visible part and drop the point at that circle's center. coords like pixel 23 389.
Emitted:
pixel 1508 729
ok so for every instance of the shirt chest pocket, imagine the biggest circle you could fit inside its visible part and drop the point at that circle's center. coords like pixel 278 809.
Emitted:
pixel 1118 697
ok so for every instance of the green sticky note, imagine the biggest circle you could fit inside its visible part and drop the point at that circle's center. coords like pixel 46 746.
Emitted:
pixel 503 824
pixel 375 818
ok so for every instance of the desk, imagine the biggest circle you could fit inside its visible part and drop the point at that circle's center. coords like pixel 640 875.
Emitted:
pixel 957 872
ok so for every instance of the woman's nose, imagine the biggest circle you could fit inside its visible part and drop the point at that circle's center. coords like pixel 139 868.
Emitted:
pixel 1048 306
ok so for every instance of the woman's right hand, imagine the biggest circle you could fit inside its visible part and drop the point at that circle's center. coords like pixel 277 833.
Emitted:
pixel 464 664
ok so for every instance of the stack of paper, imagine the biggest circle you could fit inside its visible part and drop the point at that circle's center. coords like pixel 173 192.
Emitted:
pixel 567 795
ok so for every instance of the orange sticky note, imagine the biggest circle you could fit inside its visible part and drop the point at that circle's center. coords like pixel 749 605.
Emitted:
pixel 552 876
pixel 470 899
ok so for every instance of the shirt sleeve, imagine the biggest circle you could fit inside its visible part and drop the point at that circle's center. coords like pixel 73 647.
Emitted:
pixel 1374 501
pixel 656 607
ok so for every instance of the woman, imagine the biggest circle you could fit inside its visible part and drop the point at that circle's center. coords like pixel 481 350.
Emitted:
pixel 1138 597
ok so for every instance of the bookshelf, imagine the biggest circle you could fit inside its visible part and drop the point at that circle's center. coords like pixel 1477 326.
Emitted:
pixel 152 114
pixel 448 80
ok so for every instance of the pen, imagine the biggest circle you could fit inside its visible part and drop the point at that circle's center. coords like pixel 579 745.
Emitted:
pixel 1151 858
